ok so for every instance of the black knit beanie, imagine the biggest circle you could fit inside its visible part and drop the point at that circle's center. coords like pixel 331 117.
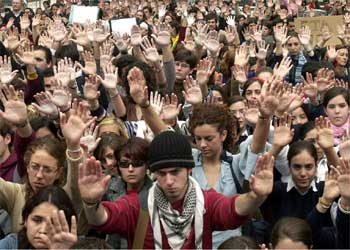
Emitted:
pixel 168 150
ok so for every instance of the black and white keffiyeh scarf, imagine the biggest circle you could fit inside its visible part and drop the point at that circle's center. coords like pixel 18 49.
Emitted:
pixel 177 226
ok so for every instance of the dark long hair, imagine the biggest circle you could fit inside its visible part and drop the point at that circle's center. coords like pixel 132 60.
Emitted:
pixel 292 228
pixel 52 194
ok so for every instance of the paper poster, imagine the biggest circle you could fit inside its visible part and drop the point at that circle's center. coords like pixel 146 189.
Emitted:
pixel 80 14
pixel 123 25
pixel 316 24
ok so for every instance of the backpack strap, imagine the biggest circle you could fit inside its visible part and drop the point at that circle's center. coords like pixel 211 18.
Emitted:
pixel 141 228
pixel 228 159
pixel 143 219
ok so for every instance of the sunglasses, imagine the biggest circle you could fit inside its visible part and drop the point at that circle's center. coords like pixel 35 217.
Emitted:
pixel 135 164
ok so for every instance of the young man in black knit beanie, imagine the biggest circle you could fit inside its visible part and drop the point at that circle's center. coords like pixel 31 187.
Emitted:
pixel 177 213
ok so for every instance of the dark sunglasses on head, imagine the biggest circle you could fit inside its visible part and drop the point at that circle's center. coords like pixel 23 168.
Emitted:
pixel 135 164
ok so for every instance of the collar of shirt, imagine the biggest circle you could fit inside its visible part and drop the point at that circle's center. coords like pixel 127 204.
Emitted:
pixel 322 169
pixel 291 184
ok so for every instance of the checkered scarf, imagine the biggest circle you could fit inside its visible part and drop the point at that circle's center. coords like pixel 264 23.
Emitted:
pixel 177 226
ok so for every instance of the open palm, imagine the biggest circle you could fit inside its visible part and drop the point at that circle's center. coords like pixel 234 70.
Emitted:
pixel 261 182
pixel 92 184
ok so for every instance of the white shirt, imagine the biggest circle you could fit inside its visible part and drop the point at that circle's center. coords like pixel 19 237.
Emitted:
pixel 291 184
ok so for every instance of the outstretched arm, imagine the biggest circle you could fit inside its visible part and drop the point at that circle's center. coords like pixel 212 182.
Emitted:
pixel 92 186
pixel 261 184
pixel 139 94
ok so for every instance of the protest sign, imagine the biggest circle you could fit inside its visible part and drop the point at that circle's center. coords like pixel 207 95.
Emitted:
pixel 80 14
pixel 123 25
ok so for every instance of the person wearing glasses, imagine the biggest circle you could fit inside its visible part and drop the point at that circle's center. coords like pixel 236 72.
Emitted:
pixel 132 168
pixel 40 161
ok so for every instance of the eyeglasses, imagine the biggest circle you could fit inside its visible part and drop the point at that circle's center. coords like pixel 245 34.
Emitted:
pixel 35 168
pixel 135 164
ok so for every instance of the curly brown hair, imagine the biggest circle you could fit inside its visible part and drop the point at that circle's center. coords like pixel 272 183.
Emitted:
pixel 54 148
pixel 218 115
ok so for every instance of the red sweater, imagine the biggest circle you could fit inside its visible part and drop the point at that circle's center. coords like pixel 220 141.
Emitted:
pixel 220 214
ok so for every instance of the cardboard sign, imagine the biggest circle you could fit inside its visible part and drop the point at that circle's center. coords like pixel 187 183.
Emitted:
pixel 317 24
pixel 80 14
pixel 123 25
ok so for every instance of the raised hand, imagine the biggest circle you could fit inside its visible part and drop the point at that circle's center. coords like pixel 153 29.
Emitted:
pixel 92 184
pixel 46 40
pixel 344 179
pixel 121 42
pixel 192 93
pixel 282 69
pixel 331 53
pixel 59 32
pixel 28 56
pixel 212 44
pixel 324 133
pixel 150 51
pixel 305 35
pixel 24 22
pixel 90 138
pixel 81 36
pixel 231 21
pixel 161 11
pixel 323 79
pixel 298 97
pixel 171 109
pixel 190 20
pixel 268 102
pixel 135 37
pixel 110 79
pixel 58 234
pixel 230 34
pixel 64 72
pixel 162 38
pixel 280 34
pixel 156 101
pixel 106 51
pixel 6 73
pixel 200 35
pixel 285 97
pixel 36 21
pixel 310 86
pixel 100 33
pixel 340 83
pixel 60 97
pixel 138 88
pixel 240 73
pixel 91 88
pixel 189 43
pixel 204 70
pixel 74 127
pixel 12 41
pixel 258 34
pixel 90 64
pixel 247 35
pixel 45 106
pixel 261 182
pixel 283 134
pixel 262 50
pixel 15 108
pixel 344 148
pixel 241 57
pixel 331 189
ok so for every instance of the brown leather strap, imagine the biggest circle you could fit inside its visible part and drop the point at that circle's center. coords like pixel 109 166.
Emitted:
pixel 141 229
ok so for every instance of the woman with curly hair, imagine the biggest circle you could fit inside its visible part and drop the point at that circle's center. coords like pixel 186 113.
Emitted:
pixel 214 129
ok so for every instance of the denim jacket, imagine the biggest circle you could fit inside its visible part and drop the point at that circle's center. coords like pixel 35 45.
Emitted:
pixel 242 165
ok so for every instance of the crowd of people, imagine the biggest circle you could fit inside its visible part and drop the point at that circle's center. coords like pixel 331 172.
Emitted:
pixel 214 124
